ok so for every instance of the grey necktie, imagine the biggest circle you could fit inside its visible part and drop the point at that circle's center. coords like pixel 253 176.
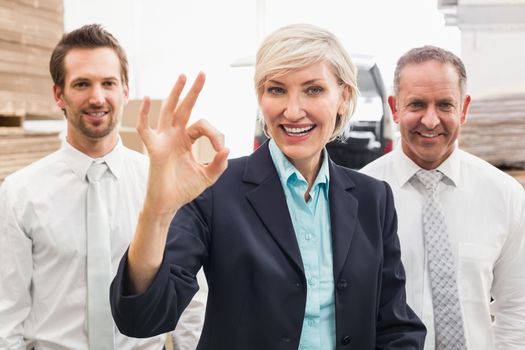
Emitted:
pixel 100 321
pixel 442 268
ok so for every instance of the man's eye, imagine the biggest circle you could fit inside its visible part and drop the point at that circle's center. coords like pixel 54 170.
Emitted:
pixel 80 85
pixel 415 105
pixel 109 83
pixel 275 90
pixel 314 90
pixel 446 106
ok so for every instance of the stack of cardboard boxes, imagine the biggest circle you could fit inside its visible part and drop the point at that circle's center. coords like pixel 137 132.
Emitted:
pixel 495 129
pixel 494 132
pixel 29 30
pixel 19 148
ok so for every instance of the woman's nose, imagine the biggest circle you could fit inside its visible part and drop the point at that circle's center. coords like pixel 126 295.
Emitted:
pixel 294 108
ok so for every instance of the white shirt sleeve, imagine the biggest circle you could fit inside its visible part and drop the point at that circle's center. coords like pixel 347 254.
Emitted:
pixel 15 274
pixel 188 331
pixel 508 287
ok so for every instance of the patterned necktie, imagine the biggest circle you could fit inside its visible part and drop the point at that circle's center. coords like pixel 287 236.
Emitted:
pixel 100 321
pixel 448 323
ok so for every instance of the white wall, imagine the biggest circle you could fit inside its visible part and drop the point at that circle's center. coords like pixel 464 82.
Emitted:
pixel 496 61
pixel 491 2
pixel 492 45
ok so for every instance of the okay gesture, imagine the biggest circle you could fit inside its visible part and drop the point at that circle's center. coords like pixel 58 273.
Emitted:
pixel 175 176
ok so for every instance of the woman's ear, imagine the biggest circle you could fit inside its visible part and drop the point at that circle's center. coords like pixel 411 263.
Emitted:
pixel 345 100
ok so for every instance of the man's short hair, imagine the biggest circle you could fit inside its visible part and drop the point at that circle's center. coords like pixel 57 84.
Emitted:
pixel 431 53
pixel 90 36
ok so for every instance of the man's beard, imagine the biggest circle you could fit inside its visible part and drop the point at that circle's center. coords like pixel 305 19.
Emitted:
pixel 94 134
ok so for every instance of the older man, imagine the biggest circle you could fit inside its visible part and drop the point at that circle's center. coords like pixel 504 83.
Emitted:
pixel 461 220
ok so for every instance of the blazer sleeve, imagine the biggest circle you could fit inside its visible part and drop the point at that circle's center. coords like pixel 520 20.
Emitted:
pixel 398 327
pixel 158 309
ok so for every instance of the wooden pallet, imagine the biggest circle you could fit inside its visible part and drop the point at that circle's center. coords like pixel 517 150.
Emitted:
pixel 11 121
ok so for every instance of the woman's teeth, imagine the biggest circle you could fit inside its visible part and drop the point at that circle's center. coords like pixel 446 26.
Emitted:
pixel 298 131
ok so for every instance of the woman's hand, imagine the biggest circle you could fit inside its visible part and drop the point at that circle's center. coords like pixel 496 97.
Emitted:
pixel 175 177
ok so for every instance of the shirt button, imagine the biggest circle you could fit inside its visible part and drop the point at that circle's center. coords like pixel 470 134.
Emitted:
pixel 308 237
pixel 311 281
pixel 346 340
pixel 311 322
pixel 285 339
pixel 342 284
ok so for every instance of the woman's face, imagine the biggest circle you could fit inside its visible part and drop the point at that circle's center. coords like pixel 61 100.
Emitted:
pixel 300 110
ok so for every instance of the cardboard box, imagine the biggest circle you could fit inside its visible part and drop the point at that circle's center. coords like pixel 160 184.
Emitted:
pixel 131 139
pixel 29 30
pixel 19 148
pixel 31 84
pixel 56 6
pixel 20 58
pixel 131 113
pixel 29 25
pixel 39 106
pixel 29 142
pixel 203 150
pixel 494 130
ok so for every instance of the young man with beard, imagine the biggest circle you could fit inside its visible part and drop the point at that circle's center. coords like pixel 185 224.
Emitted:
pixel 56 269
pixel 461 220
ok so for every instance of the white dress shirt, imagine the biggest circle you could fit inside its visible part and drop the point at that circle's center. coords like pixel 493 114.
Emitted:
pixel 485 213
pixel 43 246
pixel 190 325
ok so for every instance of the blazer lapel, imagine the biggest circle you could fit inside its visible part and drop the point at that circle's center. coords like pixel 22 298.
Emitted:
pixel 343 216
pixel 269 202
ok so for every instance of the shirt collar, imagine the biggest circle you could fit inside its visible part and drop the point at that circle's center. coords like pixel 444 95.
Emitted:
pixel 80 162
pixel 407 169
pixel 286 170
pixel 451 167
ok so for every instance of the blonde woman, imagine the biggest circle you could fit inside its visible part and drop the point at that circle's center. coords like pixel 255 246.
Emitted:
pixel 298 252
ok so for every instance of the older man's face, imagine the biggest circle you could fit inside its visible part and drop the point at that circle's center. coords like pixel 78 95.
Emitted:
pixel 430 111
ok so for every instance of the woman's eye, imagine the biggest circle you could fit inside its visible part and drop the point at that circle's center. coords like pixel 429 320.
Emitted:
pixel 314 90
pixel 275 90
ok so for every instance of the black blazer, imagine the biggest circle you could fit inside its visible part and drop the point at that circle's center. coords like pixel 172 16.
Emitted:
pixel 241 232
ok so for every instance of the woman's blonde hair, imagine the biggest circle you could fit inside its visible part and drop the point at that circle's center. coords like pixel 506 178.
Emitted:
pixel 297 46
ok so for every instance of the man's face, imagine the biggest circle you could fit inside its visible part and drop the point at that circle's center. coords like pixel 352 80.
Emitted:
pixel 429 110
pixel 93 96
